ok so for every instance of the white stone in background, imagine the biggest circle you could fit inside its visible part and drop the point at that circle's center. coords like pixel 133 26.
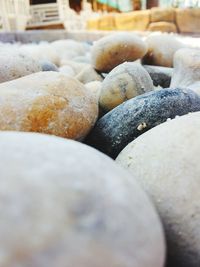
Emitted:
pixel 15 64
pixel 41 51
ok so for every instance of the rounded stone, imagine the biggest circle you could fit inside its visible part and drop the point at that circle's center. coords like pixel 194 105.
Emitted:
pixel 14 64
pixel 48 66
pixel 48 102
pixel 88 74
pixel 161 50
pixel 59 210
pixel 123 124
pixel 186 68
pixel 165 161
pixel 124 82
pixel 161 76
pixel 114 49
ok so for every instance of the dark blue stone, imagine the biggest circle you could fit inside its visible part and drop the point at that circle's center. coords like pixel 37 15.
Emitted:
pixel 119 127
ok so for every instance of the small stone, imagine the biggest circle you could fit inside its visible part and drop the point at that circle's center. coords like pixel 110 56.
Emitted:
pixel 88 74
pixel 124 82
pixel 114 49
pixel 161 76
pixel 161 50
pixel 48 66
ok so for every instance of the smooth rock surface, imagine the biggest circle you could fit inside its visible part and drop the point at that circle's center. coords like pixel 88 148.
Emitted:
pixel 161 50
pixel 14 64
pixel 48 66
pixel 114 49
pixel 48 102
pixel 124 82
pixel 186 68
pixel 161 76
pixel 120 126
pixel 165 161
pixel 88 74
pixel 59 210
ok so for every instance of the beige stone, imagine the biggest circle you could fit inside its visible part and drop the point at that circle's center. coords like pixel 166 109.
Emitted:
pixel 162 27
pixel 186 69
pixel 48 102
pixel 88 74
pixel 188 20
pixel 124 82
pixel 64 204
pixel 162 14
pixel 161 50
pixel 114 49
pixel 137 20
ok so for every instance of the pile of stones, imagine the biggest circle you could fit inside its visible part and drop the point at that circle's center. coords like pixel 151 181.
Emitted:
pixel 64 203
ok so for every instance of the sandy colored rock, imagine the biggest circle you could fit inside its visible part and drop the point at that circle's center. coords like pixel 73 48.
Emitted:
pixel 162 14
pixel 114 49
pixel 186 69
pixel 88 74
pixel 170 176
pixel 76 66
pixel 161 50
pixel 124 82
pixel 48 102
pixel 95 87
pixel 188 20
pixel 66 213
pixel 137 20
pixel 14 64
pixel 162 27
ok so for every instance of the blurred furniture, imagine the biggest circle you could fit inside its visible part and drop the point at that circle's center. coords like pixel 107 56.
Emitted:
pixel 14 15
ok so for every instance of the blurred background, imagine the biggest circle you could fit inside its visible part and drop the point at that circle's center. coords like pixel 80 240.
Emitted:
pixel 101 15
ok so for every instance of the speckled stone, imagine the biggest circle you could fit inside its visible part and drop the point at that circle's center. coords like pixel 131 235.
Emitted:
pixel 161 76
pixel 129 120
pixel 64 204
pixel 165 161
pixel 124 82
